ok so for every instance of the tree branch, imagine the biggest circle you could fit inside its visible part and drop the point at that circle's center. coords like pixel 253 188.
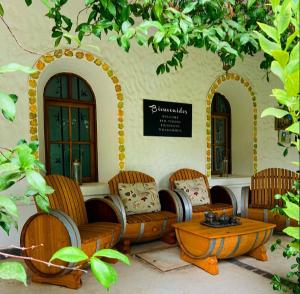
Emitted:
pixel 16 40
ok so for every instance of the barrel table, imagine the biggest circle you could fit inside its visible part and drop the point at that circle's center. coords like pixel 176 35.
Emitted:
pixel 203 246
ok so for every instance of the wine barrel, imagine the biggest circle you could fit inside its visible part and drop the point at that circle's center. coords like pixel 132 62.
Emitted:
pixel 150 226
pixel 55 231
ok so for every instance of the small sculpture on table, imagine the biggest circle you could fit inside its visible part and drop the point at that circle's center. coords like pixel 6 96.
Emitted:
pixel 224 220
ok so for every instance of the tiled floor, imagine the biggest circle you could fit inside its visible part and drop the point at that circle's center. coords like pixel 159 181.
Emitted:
pixel 142 278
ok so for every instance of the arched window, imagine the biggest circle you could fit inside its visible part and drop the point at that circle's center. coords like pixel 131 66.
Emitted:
pixel 70 126
pixel 220 133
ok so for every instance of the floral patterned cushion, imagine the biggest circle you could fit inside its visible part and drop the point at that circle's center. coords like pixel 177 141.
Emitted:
pixel 195 189
pixel 139 197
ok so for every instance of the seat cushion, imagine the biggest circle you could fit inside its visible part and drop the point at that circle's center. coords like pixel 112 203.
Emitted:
pixel 139 197
pixel 95 236
pixel 195 189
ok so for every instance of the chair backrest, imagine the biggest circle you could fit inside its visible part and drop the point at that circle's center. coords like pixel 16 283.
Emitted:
pixel 187 174
pixel 267 183
pixel 128 177
pixel 67 197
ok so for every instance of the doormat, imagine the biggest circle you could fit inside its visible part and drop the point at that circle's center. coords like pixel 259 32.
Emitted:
pixel 165 260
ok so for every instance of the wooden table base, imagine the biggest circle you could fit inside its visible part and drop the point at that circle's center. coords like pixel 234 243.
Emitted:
pixel 210 264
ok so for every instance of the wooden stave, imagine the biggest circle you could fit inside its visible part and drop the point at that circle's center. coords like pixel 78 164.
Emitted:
pixel 74 237
pixel 177 203
pixel 147 231
pixel 222 248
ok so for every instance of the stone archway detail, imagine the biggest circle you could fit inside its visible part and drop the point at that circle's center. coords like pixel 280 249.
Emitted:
pixel 48 58
pixel 213 89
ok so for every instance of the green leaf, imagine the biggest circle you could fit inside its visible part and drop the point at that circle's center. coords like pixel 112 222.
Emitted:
pixel 102 272
pixel 36 181
pixel 294 56
pixel 112 8
pixel 28 2
pixel 281 56
pixel 281 96
pixel 250 3
pixel 274 4
pixel 13 271
pixel 12 67
pixel 270 31
pixel 9 206
pixel 111 253
pixel 9 168
pixel 292 210
pixel 1 10
pixel 70 254
pixel 42 202
pixel 158 8
pixel 7 106
pixel 294 128
pixel 271 111
pixel 283 18
pixel 266 45
pixel 293 231
pixel 277 70
pixel 190 6
pixel 158 36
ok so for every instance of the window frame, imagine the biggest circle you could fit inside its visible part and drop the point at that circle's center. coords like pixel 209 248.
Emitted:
pixel 71 103
pixel 227 117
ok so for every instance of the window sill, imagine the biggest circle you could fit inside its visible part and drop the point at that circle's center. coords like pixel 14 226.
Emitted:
pixel 94 189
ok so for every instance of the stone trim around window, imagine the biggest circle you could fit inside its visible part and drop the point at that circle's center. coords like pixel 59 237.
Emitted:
pixel 48 58
pixel 213 89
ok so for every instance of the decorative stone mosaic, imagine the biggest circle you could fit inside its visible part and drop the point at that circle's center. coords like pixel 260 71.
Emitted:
pixel 213 89
pixel 46 59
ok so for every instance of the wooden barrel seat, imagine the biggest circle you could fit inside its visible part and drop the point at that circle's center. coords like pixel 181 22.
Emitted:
pixel 146 226
pixel 222 200
pixel 67 224
pixel 258 200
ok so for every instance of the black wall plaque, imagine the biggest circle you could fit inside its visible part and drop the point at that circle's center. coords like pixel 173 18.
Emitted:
pixel 168 119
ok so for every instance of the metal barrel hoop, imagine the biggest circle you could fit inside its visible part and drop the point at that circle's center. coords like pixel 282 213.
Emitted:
pixel 186 203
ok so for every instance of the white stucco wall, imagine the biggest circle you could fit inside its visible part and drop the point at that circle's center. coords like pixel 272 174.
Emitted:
pixel 157 156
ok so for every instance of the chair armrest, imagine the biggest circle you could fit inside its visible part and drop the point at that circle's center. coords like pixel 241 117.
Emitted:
pixel 186 204
pixel 105 210
pixel 54 230
pixel 245 200
pixel 170 201
pixel 116 200
pixel 222 194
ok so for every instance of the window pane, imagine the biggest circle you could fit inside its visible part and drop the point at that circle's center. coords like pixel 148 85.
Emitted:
pixel 60 159
pixel 220 131
pixel 80 124
pixel 220 155
pixel 82 153
pixel 57 87
pixel 58 118
pixel 80 90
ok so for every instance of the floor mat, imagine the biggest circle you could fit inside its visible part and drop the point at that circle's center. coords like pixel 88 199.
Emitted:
pixel 165 260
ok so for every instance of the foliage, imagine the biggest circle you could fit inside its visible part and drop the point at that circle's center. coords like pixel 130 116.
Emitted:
pixel 224 27
pixel 285 66
pixel 104 273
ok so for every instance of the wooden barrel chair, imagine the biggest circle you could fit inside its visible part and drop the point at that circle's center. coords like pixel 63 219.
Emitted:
pixel 222 200
pixel 258 200
pixel 67 224
pixel 146 226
